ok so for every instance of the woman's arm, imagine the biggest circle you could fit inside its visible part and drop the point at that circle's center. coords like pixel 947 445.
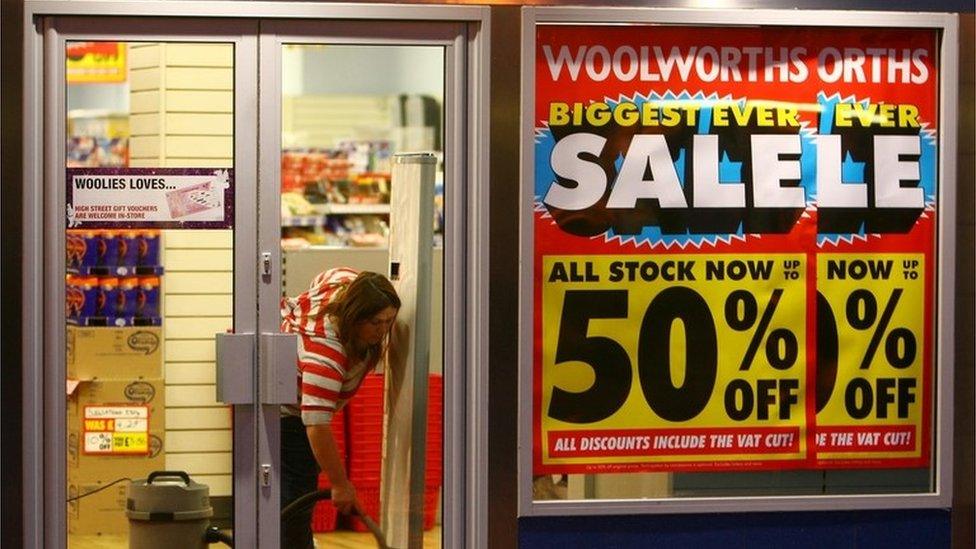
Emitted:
pixel 327 455
pixel 396 359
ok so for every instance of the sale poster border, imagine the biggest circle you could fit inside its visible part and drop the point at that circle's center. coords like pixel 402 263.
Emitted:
pixel 933 274
pixel 147 189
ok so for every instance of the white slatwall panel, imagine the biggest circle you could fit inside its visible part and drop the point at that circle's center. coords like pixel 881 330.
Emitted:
pixel 198 303
pixel 190 373
pixel 194 419
pixel 182 104
pixel 198 441
pixel 324 120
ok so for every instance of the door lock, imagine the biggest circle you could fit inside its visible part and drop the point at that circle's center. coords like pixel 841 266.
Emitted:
pixel 265 474
pixel 266 263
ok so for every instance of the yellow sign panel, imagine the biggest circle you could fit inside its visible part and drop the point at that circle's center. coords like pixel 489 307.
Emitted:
pixel 671 359
pixel 871 382
pixel 130 443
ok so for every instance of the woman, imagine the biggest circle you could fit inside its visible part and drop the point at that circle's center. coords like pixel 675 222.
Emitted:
pixel 342 321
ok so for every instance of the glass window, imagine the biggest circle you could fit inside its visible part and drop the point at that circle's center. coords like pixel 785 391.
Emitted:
pixel 149 139
pixel 346 110
pixel 735 263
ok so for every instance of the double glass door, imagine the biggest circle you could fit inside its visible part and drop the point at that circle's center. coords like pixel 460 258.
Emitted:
pixel 209 169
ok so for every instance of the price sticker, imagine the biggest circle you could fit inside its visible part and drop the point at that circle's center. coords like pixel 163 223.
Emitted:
pixel 130 443
pixel 871 355
pixel 116 430
pixel 658 360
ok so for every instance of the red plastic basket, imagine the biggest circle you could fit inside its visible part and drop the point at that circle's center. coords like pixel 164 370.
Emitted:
pixel 364 421
pixel 325 517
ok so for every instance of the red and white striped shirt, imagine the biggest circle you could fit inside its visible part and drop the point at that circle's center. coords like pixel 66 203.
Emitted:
pixel 325 378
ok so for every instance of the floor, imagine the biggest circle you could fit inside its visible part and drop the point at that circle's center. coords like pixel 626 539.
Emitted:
pixel 332 540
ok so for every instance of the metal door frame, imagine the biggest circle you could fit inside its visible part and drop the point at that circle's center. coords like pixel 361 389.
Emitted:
pixel 465 474
pixel 446 34
pixel 48 412
pixel 947 25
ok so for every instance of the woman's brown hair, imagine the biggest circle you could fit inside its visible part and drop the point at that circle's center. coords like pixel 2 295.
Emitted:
pixel 364 297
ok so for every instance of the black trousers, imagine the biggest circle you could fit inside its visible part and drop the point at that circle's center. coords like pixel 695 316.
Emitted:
pixel 299 476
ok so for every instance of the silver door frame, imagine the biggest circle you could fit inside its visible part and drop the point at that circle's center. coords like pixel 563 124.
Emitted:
pixel 452 37
pixel 466 428
pixel 46 411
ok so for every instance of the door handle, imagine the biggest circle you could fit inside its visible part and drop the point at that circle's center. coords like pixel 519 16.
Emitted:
pixel 279 370
pixel 235 371
pixel 277 362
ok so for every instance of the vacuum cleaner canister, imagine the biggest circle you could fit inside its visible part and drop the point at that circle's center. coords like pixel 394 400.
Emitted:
pixel 168 510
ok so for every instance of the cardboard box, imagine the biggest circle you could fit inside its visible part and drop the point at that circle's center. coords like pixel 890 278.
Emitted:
pixel 101 392
pixel 114 353
pixel 99 513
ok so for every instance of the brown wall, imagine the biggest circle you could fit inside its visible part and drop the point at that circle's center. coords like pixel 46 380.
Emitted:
pixel 11 126
pixel 504 235
pixel 963 509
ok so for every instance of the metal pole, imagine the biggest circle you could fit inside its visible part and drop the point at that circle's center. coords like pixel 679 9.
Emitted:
pixel 411 258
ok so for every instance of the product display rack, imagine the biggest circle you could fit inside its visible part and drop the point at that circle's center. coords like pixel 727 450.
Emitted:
pixel 322 211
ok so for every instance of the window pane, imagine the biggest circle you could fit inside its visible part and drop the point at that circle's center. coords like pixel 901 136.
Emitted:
pixel 149 156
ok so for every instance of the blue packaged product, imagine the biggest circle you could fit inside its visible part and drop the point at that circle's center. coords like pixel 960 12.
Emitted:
pixel 128 296
pixel 147 252
pixel 110 302
pixel 84 296
pixel 147 297
pixel 93 249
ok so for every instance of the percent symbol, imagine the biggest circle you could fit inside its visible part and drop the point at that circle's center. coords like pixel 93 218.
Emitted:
pixel 900 343
pixel 741 312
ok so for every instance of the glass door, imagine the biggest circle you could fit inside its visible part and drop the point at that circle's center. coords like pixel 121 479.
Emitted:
pixel 162 242
pixel 341 102
pixel 154 124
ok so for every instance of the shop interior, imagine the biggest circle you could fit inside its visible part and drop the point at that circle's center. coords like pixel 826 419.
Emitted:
pixel 143 304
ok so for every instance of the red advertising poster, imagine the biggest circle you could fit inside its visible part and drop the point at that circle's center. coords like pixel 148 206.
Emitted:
pixel 734 248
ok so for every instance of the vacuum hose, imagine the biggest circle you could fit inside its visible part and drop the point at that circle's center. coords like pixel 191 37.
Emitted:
pixel 304 501
pixel 312 497
pixel 214 535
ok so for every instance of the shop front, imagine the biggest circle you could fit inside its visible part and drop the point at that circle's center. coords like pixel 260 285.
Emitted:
pixel 670 276
pixel 200 167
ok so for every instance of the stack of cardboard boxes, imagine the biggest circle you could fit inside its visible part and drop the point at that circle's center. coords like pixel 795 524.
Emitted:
pixel 115 420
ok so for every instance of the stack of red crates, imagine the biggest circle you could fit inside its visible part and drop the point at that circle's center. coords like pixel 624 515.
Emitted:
pixel 364 464
pixel 365 416
pixel 325 514
pixel 435 448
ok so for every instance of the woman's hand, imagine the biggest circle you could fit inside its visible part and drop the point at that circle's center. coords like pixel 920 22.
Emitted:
pixel 323 444
pixel 345 500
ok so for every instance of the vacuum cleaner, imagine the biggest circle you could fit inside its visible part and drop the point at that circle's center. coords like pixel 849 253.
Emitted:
pixel 168 509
